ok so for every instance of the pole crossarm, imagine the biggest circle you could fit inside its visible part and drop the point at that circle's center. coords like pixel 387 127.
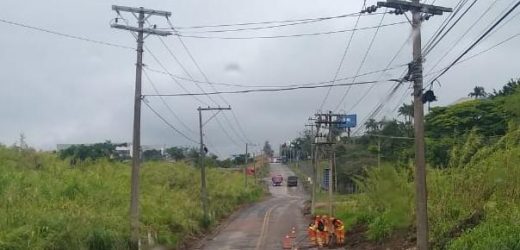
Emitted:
pixel 144 30
pixel 414 6
pixel 141 10
pixel 211 108
pixel 141 15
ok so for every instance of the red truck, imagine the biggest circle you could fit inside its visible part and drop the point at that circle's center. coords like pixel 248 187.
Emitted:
pixel 277 180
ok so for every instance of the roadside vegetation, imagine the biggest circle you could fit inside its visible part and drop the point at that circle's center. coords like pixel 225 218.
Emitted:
pixel 49 203
pixel 473 156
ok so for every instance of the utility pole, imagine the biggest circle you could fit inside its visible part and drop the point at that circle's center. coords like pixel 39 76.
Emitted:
pixel 254 167
pixel 245 168
pixel 420 12
pixel 379 152
pixel 202 154
pixel 326 118
pixel 142 16
pixel 331 164
pixel 314 168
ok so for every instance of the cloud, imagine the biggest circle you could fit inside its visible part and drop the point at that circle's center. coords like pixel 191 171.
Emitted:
pixel 61 90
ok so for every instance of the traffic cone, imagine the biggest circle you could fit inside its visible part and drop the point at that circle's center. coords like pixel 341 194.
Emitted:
pixel 293 232
pixel 287 242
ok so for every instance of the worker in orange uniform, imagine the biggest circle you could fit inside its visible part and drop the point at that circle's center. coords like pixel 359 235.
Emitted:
pixel 312 231
pixel 339 230
pixel 326 230
pixel 321 234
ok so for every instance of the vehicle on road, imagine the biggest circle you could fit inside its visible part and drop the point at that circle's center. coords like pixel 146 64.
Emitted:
pixel 277 180
pixel 292 181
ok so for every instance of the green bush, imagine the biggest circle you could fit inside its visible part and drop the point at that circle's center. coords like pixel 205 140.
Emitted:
pixel 387 201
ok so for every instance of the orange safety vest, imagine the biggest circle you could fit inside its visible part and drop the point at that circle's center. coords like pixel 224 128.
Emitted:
pixel 338 225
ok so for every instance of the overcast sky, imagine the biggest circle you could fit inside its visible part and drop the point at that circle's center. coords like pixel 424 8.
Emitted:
pixel 63 90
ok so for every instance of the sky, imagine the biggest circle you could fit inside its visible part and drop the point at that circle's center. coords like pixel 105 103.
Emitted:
pixel 58 90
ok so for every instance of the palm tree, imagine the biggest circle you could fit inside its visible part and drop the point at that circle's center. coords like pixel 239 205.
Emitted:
pixel 478 92
pixel 407 111
pixel 372 125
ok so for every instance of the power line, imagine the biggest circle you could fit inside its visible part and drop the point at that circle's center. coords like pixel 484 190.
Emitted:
pixel 269 22
pixel 166 104
pixel 245 85
pixel 477 41
pixel 381 75
pixel 265 27
pixel 213 87
pixel 362 63
pixel 440 37
pixel 288 36
pixel 343 57
pixel 444 24
pixel 169 124
pixel 463 35
pixel 479 53
pixel 273 89
pixel 66 35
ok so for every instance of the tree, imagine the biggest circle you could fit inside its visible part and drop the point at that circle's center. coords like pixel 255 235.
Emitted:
pixel 406 111
pixel 372 125
pixel 268 151
pixel 93 152
pixel 478 92
pixel 241 159
pixel 193 154
pixel 508 89
pixel 152 155
pixel 177 153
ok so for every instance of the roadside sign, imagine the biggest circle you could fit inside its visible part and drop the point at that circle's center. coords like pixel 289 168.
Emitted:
pixel 347 121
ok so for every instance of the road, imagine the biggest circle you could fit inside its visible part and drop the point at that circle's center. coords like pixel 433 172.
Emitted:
pixel 264 224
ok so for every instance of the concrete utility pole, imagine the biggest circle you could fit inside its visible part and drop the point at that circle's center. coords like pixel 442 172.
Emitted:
pixel 143 15
pixel 331 164
pixel 314 167
pixel 254 167
pixel 419 12
pixel 202 154
pixel 326 118
pixel 245 169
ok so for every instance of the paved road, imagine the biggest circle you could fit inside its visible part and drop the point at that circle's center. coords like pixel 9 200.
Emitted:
pixel 263 225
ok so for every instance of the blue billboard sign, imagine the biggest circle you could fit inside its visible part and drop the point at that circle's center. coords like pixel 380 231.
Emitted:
pixel 347 121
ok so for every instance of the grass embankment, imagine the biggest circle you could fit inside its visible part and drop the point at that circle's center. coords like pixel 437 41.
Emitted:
pixel 474 204
pixel 46 204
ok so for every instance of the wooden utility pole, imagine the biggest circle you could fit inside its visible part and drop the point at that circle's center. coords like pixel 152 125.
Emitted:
pixel 142 16
pixel 202 154
pixel 419 12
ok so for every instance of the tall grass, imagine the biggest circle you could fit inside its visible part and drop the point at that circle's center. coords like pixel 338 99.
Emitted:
pixel 46 204
pixel 474 204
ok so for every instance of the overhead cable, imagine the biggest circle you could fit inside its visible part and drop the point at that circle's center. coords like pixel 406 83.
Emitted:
pixel 343 57
pixel 246 85
pixel 269 22
pixel 273 89
pixel 213 87
pixel 288 36
pixel 66 35
pixel 169 124
pixel 476 42
pixel 361 64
